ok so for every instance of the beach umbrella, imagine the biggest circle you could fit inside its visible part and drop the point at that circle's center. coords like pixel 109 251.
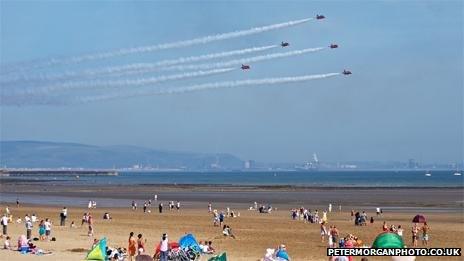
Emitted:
pixel 388 240
pixel 419 219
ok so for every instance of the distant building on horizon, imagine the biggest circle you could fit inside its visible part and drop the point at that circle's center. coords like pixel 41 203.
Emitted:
pixel 249 164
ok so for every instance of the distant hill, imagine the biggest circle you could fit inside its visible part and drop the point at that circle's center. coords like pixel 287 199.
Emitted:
pixel 38 154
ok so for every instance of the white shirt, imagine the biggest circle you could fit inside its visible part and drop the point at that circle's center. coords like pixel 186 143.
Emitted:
pixel 48 225
pixel 164 245
pixel 29 225
pixel 33 218
pixel 64 211
pixel 5 221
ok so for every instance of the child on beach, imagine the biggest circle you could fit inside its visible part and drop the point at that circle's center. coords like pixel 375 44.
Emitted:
pixel 7 244
pixel 425 236
pixel 414 232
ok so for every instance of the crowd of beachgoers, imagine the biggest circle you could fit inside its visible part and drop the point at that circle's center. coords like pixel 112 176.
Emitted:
pixel 38 228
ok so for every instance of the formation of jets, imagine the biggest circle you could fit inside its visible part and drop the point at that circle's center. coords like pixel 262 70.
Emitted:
pixel 286 44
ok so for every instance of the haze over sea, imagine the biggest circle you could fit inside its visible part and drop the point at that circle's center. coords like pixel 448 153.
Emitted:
pixel 355 178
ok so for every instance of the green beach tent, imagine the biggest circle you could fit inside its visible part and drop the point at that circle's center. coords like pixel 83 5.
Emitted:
pixel 220 257
pixel 98 252
pixel 388 240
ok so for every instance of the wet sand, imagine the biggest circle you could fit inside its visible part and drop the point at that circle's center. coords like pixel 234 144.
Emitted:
pixel 281 196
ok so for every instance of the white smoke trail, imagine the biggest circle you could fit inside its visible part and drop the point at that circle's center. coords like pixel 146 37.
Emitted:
pixel 178 44
pixel 121 83
pixel 240 61
pixel 137 66
pixel 206 86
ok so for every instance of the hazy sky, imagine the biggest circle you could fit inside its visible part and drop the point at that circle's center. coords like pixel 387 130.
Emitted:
pixel 404 99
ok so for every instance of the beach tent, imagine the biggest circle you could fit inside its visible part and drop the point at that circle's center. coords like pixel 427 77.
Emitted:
pixel 189 241
pixel 388 240
pixel 220 257
pixel 419 219
pixel 98 252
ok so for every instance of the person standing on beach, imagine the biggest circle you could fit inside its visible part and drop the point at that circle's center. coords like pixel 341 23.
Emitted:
pixel 164 247
pixel 17 202
pixel 425 234
pixel 89 206
pixel 90 221
pixel 210 207
pixel 330 208
pixel 140 244
pixel 42 230
pixel 63 216
pixel 178 205
pixel 415 232
pixel 145 207
pixel 160 208
pixel 4 222
pixel 132 248
pixel 323 232
pixel 28 228
pixel 48 228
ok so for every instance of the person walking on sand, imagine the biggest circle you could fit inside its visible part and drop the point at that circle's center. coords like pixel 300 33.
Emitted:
pixel 210 207
pixel 164 247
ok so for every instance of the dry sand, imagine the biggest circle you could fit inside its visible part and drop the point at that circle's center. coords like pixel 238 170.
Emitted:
pixel 255 232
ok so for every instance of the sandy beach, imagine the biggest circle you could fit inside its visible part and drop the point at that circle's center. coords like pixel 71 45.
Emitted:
pixel 254 231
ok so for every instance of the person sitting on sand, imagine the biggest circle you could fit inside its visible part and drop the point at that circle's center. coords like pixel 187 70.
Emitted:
pixel 107 216
pixel 399 231
pixel 211 250
pixel 385 226
pixel 227 231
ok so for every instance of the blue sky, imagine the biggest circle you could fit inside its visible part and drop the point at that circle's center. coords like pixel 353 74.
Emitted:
pixel 404 99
